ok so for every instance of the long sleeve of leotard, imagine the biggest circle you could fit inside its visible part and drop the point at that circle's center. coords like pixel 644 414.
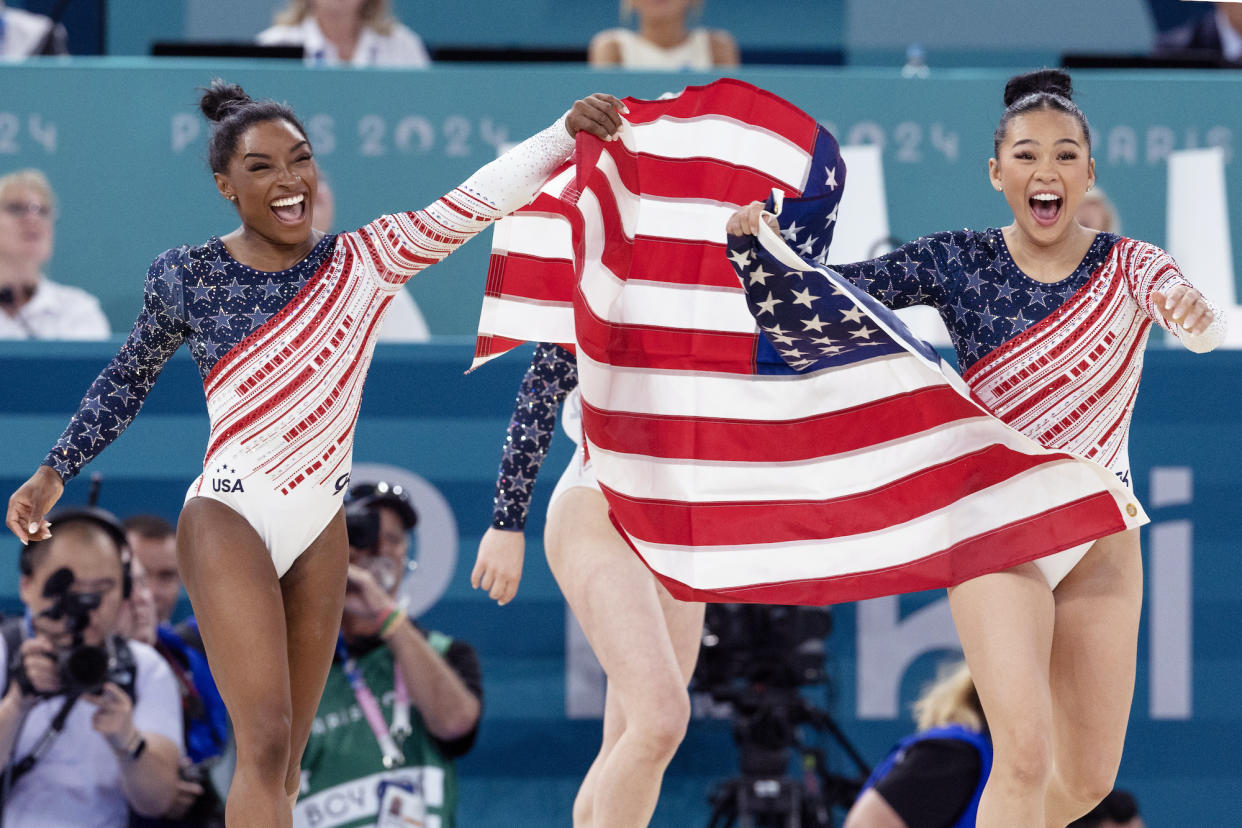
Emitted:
pixel 552 374
pixel 1150 271
pixel 910 275
pixel 116 395
pixel 403 244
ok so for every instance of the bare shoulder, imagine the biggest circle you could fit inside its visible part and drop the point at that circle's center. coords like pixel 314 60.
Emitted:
pixel 605 48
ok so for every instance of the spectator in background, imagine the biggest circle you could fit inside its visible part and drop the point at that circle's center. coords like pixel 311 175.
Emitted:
pixel 23 35
pixel 396 757
pixel 405 321
pixel 934 778
pixel 32 306
pixel 354 32
pixel 1118 810
pixel 1216 34
pixel 664 39
pixel 1098 213
pixel 83 755
pixel 154 542
pixel 204 718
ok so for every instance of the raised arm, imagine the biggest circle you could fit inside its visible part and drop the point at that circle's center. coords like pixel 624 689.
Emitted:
pixel 111 402
pixel 403 244
pixel 552 374
pixel 910 275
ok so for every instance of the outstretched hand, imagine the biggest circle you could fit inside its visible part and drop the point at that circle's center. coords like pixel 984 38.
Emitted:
pixel 498 568
pixel 31 502
pixel 1185 307
pixel 745 222
pixel 598 114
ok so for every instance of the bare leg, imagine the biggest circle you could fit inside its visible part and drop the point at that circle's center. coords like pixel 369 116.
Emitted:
pixel 237 600
pixel 314 597
pixel 1094 649
pixel 1005 623
pixel 619 605
pixel 685 626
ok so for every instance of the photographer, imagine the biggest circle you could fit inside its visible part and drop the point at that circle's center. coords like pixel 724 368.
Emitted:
pixel 90 725
pixel 401 703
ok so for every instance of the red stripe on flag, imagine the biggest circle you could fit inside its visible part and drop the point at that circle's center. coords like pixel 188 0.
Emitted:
pixel 683 262
pixel 730 98
pixel 648 346
pixel 807 438
pixel 533 277
pixel 739 524
pixel 1060 528
pixel 707 178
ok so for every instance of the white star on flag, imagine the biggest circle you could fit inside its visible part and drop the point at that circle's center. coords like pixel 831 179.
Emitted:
pixel 758 275
pixel 770 305
pixel 831 183
pixel 804 297
pixel 864 332
pixel 854 314
pixel 814 324
pixel 791 232
pixel 740 258
pixel 807 248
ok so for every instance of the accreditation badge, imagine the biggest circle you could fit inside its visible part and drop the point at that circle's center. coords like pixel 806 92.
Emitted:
pixel 400 806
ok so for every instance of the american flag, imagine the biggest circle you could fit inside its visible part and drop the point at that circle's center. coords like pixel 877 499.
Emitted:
pixel 793 464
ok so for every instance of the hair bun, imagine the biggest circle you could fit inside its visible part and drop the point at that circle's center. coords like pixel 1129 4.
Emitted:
pixel 222 99
pixel 1052 81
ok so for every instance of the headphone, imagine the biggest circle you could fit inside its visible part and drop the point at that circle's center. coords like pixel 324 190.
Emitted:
pixel 101 518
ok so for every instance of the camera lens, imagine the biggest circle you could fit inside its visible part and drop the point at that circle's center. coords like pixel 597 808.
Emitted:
pixel 84 668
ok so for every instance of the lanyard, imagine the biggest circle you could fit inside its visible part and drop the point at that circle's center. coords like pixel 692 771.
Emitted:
pixel 392 755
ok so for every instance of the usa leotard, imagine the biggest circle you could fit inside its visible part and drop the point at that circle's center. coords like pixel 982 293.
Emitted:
pixel 283 355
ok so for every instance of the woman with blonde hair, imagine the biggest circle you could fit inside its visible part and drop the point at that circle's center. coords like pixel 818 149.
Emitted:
pixel 32 306
pixel 934 778
pixel 664 39
pixel 353 32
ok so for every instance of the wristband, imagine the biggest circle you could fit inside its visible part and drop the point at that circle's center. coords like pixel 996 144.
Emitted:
pixel 133 749
pixel 391 623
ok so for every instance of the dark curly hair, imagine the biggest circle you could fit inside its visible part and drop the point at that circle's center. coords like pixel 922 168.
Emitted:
pixel 232 112
pixel 1041 89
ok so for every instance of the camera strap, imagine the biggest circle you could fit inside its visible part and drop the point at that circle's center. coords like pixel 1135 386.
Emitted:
pixel 57 726
pixel 392 755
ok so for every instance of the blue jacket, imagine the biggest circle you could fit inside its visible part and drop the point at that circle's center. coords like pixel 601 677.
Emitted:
pixel 979 741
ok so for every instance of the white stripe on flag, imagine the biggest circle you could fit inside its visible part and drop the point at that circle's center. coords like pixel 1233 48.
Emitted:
pixel 722 138
pixel 516 318
pixel 546 235
pixel 821 478
pixel 715 567
pixel 766 397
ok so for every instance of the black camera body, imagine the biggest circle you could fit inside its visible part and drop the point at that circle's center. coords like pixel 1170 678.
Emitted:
pixel 362 526
pixel 82 668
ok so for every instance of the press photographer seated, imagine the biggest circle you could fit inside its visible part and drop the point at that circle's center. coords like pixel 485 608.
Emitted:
pixel 90 723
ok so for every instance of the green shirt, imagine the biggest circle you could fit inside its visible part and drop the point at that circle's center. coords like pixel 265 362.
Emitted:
pixel 342 768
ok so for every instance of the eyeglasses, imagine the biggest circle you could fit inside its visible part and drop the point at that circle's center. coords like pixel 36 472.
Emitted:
pixel 18 209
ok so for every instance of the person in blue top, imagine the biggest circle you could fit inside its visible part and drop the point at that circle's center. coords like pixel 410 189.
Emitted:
pixel 934 777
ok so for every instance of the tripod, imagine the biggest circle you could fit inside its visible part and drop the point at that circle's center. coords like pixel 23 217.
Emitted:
pixel 763 795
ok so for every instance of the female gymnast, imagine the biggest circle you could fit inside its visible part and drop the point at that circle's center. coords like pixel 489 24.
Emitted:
pixel 1049 320
pixel 281 320
pixel 646 641
pixel 664 39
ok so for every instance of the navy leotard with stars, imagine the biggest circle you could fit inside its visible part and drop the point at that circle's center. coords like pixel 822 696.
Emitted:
pixel 198 295
pixel 552 374
pixel 970 277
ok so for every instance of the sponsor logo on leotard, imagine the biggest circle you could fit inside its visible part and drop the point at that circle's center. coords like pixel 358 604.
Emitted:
pixel 342 482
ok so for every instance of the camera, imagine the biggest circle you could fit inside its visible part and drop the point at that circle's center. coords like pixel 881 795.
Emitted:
pixel 82 668
pixel 362 526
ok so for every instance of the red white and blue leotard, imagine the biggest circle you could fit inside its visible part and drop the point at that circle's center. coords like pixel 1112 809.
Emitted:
pixel 284 355
pixel 1059 362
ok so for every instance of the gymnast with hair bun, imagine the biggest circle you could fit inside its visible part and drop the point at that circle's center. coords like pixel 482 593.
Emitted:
pixel 1049 320
pixel 281 320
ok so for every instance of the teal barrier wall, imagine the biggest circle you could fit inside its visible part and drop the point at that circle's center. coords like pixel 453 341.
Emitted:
pixel 123 145
pixel 420 413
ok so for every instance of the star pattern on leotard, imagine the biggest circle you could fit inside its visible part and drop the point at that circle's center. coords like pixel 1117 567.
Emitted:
pixel 552 374
pixel 198 295
pixel 971 278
